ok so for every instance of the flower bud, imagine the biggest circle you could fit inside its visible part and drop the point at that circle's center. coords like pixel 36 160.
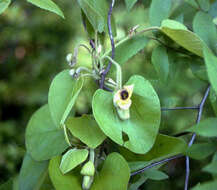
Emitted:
pixel 88 169
pixel 69 58
pixel 87 182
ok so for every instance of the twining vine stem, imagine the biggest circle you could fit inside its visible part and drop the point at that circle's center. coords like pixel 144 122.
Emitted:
pixel 200 111
pixel 112 45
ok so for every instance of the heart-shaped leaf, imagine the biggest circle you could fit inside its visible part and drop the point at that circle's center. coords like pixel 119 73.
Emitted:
pixel 72 158
pixel 62 95
pixel 71 180
pixel 32 173
pixel 141 128
pixel 114 174
pixel 182 36
pixel 43 139
pixel 86 129
pixel 164 146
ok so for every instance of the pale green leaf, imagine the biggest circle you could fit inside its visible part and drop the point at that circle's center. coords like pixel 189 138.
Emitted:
pixel 211 65
pixel 62 95
pixel 159 11
pixel 47 5
pixel 182 36
pixel 115 174
pixel 71 180
pixel 86 129
pixel 206 128
pixel 4 5
pixel 43 139
pixel 72 158
pixel 160 61
pixel 143 125
pixel 32 173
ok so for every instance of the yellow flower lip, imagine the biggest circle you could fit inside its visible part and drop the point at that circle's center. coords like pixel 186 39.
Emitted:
pixel 122 97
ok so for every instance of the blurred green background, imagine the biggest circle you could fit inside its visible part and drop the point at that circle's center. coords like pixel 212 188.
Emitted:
pixel 33 47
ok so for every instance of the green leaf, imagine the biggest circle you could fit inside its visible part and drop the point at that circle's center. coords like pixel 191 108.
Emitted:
pixel 7 185
pixel 213 100
pixel 201 150
pixel 86 129
pixel 32 173
pixel 206 128
pixel 4 5
pixel 211 185
pixel 204 4
pixel 43 139
pixel 155 174
pixel 211 65
pixel 199 70
pixel 130 4
pixel 62 96
pixel 96 12
pixel 143 125
pixel 159 11
pixel 211 168
pixel 182 36
pixel 72 158
pixel 165 146
pixel 71 180
pixel 204 27
pixel 127 48
pixel 114 174
pixel 161 62
pixel 135 185
pixel 47 5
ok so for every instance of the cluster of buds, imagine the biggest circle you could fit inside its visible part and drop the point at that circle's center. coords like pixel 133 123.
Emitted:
pixel 122 101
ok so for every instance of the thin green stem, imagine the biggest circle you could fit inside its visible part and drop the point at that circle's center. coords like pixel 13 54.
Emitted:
pixel 66 135
pixel 118 72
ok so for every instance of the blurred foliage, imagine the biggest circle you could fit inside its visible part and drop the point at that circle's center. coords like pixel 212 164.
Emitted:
pixel 33 47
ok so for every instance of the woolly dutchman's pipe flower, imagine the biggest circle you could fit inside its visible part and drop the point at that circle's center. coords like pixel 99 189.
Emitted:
pixel 122 101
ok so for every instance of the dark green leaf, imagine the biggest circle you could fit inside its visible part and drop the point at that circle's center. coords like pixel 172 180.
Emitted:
pixel 127 48
pixel 165 146
pixel 114 174
pixel 71 180
pixel 211 185
pixel 7 185
pixel 213 100
pixel 43 139
pixel 201 151
pixel 134 186
pixel 96 12
pixel 204 5
pixel 130 4
pixel 199 70
pixel 141 128
pixel 47 5
pixel 72 158
pixel 155 174
pixel 206 128
pixel 211 168
pixel 159 11
pixel 204 27
pixel 86 129
pixel 161 62
pixel 4 5
pixel 32 173
pixel 62 95
pixel 182 36
pixel 211 65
